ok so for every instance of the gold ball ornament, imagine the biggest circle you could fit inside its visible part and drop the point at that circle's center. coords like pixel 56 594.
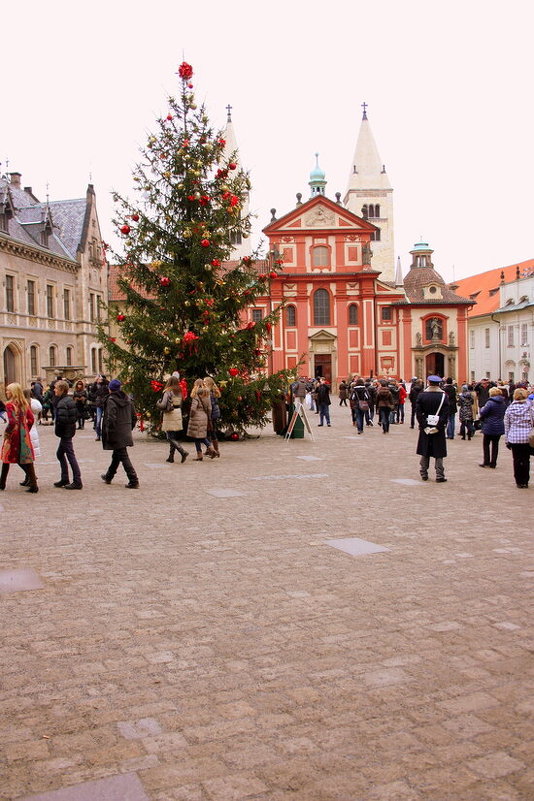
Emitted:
pixel 166 351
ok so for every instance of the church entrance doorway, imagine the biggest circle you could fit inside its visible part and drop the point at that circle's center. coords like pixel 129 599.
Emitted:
pixel 435 364
pixel 10 367
pixel 323 366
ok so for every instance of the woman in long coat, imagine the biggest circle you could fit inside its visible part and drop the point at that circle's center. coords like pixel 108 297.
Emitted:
pixel 200 419
pixel 17 446
pixel 172 423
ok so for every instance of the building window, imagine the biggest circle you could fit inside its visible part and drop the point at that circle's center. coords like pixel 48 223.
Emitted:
pixel 353 314
pixel 257 315
pixel 321 307
pixel 93 360
pixel 291 316
pixel 235 237
pixel 98 303
pixel 52 355
pixel 373 210
pixel 511 377
pixel 524 334
pixel 92 307
pixel 321 256
pixel 510 336
pixel 100 364
pixel 69 357
pixel 66 304
pixel 487 337
pixel 386 313
pixel 31 297
pixel 375 235
pixel 49 300
pixel 33 360
pixel 471 339
pixel 10 293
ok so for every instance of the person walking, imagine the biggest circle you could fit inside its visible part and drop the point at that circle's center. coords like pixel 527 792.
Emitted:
pixel 343 393
pixel 492 416
pixel 450 391
pixel 402 401
pixel 384 405
pixel 199 417
pixel 323 402
pixel 359 402
pixel 100 392
pixel 172 424
pixel 79 396
pixel 118 421
pixel 432 412
pixel 465 402
pixel 215 394
pixel 16 445
pixel 65 429
pixel 518 422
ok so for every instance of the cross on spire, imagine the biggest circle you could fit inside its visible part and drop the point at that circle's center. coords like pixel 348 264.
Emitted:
pixel 229 112
pixel 364 106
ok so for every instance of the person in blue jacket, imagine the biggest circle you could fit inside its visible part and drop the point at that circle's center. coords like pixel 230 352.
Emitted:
pixel 492 417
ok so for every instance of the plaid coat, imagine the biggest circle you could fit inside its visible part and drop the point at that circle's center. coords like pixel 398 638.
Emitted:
pixel 518 420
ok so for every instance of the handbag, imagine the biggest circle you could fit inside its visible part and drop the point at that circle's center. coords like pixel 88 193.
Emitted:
pixel 363 405
pixel 433 419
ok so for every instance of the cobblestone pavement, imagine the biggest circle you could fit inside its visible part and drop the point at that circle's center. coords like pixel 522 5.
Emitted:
pixel 199 640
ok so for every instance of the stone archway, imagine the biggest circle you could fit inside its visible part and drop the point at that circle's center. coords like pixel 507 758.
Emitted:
pixel 435 364
pixel 11 365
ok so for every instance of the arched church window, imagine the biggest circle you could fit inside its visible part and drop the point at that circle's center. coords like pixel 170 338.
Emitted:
pixel 320 256
pixel 291 316
pixel 52 355
pixel 353 314
pixel 321 307
pixel 371 211
pixel 377 210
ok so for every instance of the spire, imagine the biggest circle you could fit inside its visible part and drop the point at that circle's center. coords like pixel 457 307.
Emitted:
pixel 317 180
pixel 240 243
pixel 368 171
pixel 229 136
pixel 399 281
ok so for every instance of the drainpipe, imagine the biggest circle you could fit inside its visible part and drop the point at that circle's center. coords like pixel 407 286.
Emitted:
pixel 499 335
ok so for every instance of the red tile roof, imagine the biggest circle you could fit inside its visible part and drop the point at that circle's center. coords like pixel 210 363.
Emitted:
pixel 483 289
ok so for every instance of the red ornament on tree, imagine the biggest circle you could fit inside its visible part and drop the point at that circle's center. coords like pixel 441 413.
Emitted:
pixel 205 243
pixel 164 281
pixel 185 71
pixel 273 275
pixel 268 327
pixel 169 117
pixel 233 371
pixel 120 318
pixel 215 262
pixel 232 166
pixel 234 436
pixel 135 217
pixel 125 229
pixel 190 336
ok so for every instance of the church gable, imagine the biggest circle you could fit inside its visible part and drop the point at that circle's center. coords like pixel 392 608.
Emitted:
pixel 319 213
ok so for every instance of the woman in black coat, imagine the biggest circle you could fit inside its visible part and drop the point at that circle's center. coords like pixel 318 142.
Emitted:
pixel 118 421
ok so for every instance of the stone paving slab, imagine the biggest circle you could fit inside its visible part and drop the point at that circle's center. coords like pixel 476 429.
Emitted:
pixel 214 648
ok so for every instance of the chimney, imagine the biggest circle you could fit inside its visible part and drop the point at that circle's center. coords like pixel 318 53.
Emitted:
pixel 15 179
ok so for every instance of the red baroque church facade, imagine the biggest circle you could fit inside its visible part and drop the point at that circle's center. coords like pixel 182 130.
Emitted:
pixel 346 310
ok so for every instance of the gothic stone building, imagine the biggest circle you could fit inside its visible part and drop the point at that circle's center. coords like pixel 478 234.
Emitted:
pixel 53 273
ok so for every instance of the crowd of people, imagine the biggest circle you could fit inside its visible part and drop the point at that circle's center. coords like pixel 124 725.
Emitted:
pixel 112 413
pixel 495 408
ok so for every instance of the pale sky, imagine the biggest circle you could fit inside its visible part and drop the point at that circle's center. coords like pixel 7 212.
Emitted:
pixel 448 87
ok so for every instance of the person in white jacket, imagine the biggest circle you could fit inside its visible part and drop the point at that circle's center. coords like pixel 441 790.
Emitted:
pixel 37 408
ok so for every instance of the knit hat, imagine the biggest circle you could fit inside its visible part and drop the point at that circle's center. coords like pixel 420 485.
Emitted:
pixel 114 385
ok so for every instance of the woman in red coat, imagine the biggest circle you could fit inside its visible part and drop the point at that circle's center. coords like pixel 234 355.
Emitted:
pixel 17 446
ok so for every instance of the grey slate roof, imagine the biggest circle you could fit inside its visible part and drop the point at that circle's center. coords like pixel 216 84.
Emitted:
pixel 66 218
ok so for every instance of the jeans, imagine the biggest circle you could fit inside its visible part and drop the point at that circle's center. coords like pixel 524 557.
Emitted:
pixel 521 455
pixel 324 413
pixel 384 412
pixel 493 440
pixel 172 438
pixel 451 426
pixel 360 417
pixel 400 413
pixel 98 420
pixel 200 441
pixel 412 416
pixel 120 455
pixel 424 463
pixel 64 453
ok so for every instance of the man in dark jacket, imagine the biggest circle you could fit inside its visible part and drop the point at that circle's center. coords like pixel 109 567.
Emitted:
pixel 450 391
pixel 323 401
pixel 415 389
pixel 118 421
pixel 65 429
pixel 100 391
pixel 432 442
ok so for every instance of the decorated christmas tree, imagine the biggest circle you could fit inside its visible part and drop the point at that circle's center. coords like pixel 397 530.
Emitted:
pixel 185 304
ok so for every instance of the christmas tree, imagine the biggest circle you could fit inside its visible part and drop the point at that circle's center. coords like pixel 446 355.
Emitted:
pixel 185 304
